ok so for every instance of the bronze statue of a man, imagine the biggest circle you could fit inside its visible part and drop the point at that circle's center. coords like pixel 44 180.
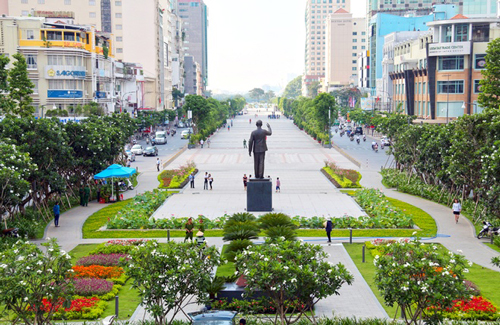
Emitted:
pixel 257 145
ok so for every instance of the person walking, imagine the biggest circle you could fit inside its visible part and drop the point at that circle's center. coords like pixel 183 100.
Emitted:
pixel 56 210
pixel 129 163
pixel 86 195
pixel 191 180
pixel 229 127
pixel 328 228
pixel 189 226
pixel 98 192
pixel 244 143
pixel 158 164
pixel 457 207
pixel 210 180
pixel 201 143
pixel 278 185
pixel 250 121
pixel 208 142
pixel 205 183
pixel 245 180
pixel 231 122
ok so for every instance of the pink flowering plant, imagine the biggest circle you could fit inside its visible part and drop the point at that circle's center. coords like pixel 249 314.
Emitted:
pixel 102 259
pixel 415 276
pixel 92 286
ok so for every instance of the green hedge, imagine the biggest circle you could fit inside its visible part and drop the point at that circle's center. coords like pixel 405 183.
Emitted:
pixel 345 180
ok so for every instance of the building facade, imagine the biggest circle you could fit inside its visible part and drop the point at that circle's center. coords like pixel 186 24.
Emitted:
pixel 69 65
pixel 437 76
pixel 341 50
pixel 316 17
pixel 194 16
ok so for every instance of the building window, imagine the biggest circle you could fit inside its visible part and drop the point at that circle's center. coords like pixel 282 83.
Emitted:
pixel 450 87
pixel 354 47
pixel 446 34
pixel 118 3
pixel 70 60
pixel 119 50
pixel 41 2
pixel 67 2
pixel 30 34
pixel 119 39
pixel 481 33
pixel 24 1
pixel 354 33
pixel 91 2
pixel 461 32
pixel 354 54
pixel 363 47
pixel 477 86
pixel 480 62
pixel 92 15
pixel 31 60
pixel 354 61
pixel 363 33
pixel 451 62
pixel 118 15
pixel 55 60
pixel 354 40
pixel 119 27
pixel 56 84
pixel 24 13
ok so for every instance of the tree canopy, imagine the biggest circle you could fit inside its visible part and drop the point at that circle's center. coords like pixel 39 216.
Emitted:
pixel 489 98
pixel 294 88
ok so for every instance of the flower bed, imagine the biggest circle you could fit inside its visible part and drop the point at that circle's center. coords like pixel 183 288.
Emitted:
pixel 97 271
pixel 137 213
pixel 81 308
pixel 101 259
pixel 138 222
pixel 92 287
pixel 341 178
pixel 477 308
pixel 176 178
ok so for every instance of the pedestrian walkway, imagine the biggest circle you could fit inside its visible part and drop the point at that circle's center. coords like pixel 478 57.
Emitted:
pixel 293 156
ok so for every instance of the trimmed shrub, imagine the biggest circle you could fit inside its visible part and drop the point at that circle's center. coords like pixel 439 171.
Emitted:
pixel 102 259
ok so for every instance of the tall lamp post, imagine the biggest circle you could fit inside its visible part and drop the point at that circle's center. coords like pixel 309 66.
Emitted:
pixel 475 106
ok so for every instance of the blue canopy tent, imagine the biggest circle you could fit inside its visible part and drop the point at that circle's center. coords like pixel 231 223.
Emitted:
pixel 113 171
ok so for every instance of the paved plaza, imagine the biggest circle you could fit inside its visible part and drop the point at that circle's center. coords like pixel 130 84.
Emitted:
pixel 293 157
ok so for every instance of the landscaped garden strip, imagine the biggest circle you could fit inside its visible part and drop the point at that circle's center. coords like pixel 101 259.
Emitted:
pixel 480 276
pixel 176 178
pixel 341 178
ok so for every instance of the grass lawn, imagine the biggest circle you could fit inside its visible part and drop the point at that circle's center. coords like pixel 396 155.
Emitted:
pixel 482 277
pixel 128 297
pixel 227 269
pixel 493 246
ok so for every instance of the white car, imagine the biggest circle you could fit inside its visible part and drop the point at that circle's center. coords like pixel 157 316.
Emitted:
pixel 385 141
pixel 185 134
pixel 137 149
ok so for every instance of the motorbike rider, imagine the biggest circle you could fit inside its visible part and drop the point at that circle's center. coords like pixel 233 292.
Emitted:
pixel 364 137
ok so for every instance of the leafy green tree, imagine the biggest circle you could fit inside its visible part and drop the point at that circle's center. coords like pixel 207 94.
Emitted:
pixel 15 167
pixel 177 95
pixel 257 93
pixel 30 275
pixel 313 88
pixel 199 108
pixel 176 274
pixel 415 276
pixel 20 88
pixel 324 103
pixel 489 98
pixel 6 103
pixel 294 274
pixel 293 89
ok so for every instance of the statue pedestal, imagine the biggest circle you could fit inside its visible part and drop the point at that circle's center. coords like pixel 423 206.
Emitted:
pixel 259 195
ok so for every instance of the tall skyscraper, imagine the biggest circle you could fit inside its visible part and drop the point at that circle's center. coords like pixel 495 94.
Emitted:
pixel 317 12
pixel 195 20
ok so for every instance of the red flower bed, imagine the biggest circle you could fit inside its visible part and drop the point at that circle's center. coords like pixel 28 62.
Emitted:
pixel 475 304
pixel 77 305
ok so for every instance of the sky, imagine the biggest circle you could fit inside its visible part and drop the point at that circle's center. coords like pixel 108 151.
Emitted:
pixel 254 43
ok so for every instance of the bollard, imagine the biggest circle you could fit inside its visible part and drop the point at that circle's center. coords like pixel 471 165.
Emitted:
pixel 137 168
pixel 350 235
pixel 364 247
pixel 116 306
pixel 168 235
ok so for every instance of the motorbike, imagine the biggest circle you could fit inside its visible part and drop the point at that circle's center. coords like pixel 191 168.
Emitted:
pixel 10 232
pixel 336 130
pixel 375 147
pixel 125 186
pixel 364 138
pixel 488 229
pixel 382 145
pixel 351 138
pixel 357 140
pixel 341 133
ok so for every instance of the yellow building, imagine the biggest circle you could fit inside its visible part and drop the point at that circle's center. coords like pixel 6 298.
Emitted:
pixel 69 65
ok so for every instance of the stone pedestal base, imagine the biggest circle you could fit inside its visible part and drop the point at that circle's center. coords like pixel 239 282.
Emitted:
pixel 259 195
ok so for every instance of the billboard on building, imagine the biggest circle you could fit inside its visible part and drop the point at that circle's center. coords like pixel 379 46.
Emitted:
pixel 456 48
pixel 367 103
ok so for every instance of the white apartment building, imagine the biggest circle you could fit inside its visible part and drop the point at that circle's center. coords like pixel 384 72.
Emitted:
pixel 345 37
pixel 316 17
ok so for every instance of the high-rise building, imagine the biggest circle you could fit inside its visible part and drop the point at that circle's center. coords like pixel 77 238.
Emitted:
pixel 195 23
pixel 177 46
pixel 315 43
pixel 345 36
pixel 132 33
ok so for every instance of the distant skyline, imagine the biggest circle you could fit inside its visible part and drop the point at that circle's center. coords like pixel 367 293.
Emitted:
pixel 256 43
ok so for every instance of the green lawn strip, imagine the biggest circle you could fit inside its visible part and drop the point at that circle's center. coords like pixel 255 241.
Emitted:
pixel 481 276
pixel 422 219
pixel 493 246
pixel 99 219
pixel 128 297
pixel 367 270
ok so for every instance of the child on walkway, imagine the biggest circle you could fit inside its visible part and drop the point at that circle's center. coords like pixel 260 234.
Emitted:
pixel 278 185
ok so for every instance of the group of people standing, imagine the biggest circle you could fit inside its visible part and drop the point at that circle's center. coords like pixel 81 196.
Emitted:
pixel 207 180
pixel 84 195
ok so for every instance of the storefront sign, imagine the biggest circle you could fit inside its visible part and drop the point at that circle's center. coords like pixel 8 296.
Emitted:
pixel 65 72
pixel 442 49
pixel 100 94
pixel 64 93
pixel 55 14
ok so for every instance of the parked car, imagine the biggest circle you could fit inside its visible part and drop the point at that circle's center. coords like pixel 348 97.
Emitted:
pixel 185 134
pixel 137 149
pixel 130 155
pixel 151 151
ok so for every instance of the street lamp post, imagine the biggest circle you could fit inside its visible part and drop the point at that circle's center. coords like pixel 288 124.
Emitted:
pixel 475 106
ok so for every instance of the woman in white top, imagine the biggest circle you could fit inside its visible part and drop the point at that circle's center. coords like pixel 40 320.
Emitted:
pixel 457 207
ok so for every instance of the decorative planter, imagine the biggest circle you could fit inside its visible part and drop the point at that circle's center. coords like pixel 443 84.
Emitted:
pixel 329 146
pixel 191 146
